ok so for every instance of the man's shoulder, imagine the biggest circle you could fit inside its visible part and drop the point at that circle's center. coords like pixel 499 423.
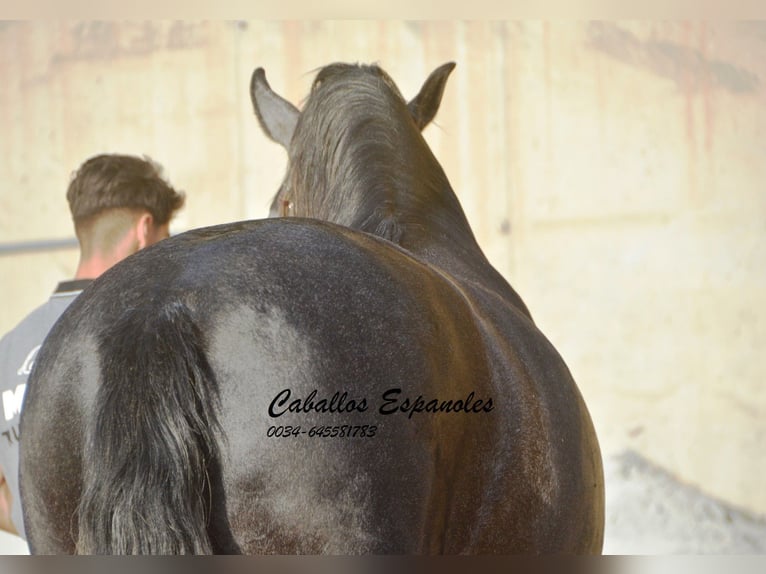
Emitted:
pixel 19 346
pixel 35 320
pixel 40 317
pixel 32 323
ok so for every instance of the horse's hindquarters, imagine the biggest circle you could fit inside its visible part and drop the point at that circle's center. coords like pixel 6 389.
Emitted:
pixel 314 390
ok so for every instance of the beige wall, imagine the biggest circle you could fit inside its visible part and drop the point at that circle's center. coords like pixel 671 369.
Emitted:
pixel 614 172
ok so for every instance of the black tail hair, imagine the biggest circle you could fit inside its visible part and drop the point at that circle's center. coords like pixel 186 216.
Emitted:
pixel 152 439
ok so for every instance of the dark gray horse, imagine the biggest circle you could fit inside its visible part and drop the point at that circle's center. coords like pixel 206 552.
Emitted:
pixel 358 379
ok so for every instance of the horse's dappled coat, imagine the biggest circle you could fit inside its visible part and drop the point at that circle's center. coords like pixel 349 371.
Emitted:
pixel 147 421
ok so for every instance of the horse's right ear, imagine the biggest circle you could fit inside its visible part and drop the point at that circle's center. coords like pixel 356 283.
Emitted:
pixel 277 116
pixel 424 106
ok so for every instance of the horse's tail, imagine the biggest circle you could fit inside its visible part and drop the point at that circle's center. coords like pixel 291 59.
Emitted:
pixel 150 444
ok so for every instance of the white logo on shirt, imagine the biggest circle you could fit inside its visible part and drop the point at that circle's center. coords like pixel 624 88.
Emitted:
pixel 26 366
pixel 12 401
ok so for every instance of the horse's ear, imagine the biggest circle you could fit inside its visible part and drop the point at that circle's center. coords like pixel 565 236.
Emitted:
pixel 424 106
pixel 277 116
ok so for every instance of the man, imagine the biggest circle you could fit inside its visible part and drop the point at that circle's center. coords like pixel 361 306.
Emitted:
pixel 119 204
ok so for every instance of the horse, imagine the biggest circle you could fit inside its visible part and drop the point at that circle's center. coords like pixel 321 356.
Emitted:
pixel 353 377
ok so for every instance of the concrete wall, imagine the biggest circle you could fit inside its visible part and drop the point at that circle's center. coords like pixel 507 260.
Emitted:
pixel 613 173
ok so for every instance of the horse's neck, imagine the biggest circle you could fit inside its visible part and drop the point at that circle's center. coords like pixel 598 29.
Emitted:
pixel 426 219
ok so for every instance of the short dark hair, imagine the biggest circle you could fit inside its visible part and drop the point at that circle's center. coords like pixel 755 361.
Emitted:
pixel 113 181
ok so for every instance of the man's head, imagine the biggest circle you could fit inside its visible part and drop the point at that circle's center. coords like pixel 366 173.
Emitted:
pixel 119 204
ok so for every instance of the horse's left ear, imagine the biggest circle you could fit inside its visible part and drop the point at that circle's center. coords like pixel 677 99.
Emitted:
pixel 424 106
pixel 277 116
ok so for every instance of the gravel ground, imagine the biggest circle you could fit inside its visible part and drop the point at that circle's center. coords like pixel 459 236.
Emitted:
pixel 649 511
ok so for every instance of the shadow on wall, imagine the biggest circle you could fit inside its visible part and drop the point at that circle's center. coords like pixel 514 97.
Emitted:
pixel 690 68
pixel 649 511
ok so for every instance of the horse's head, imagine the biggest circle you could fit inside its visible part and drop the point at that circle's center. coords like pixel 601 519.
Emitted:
pixel 356 156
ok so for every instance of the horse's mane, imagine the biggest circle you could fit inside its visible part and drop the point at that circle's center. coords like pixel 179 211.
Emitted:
pixel 358 158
